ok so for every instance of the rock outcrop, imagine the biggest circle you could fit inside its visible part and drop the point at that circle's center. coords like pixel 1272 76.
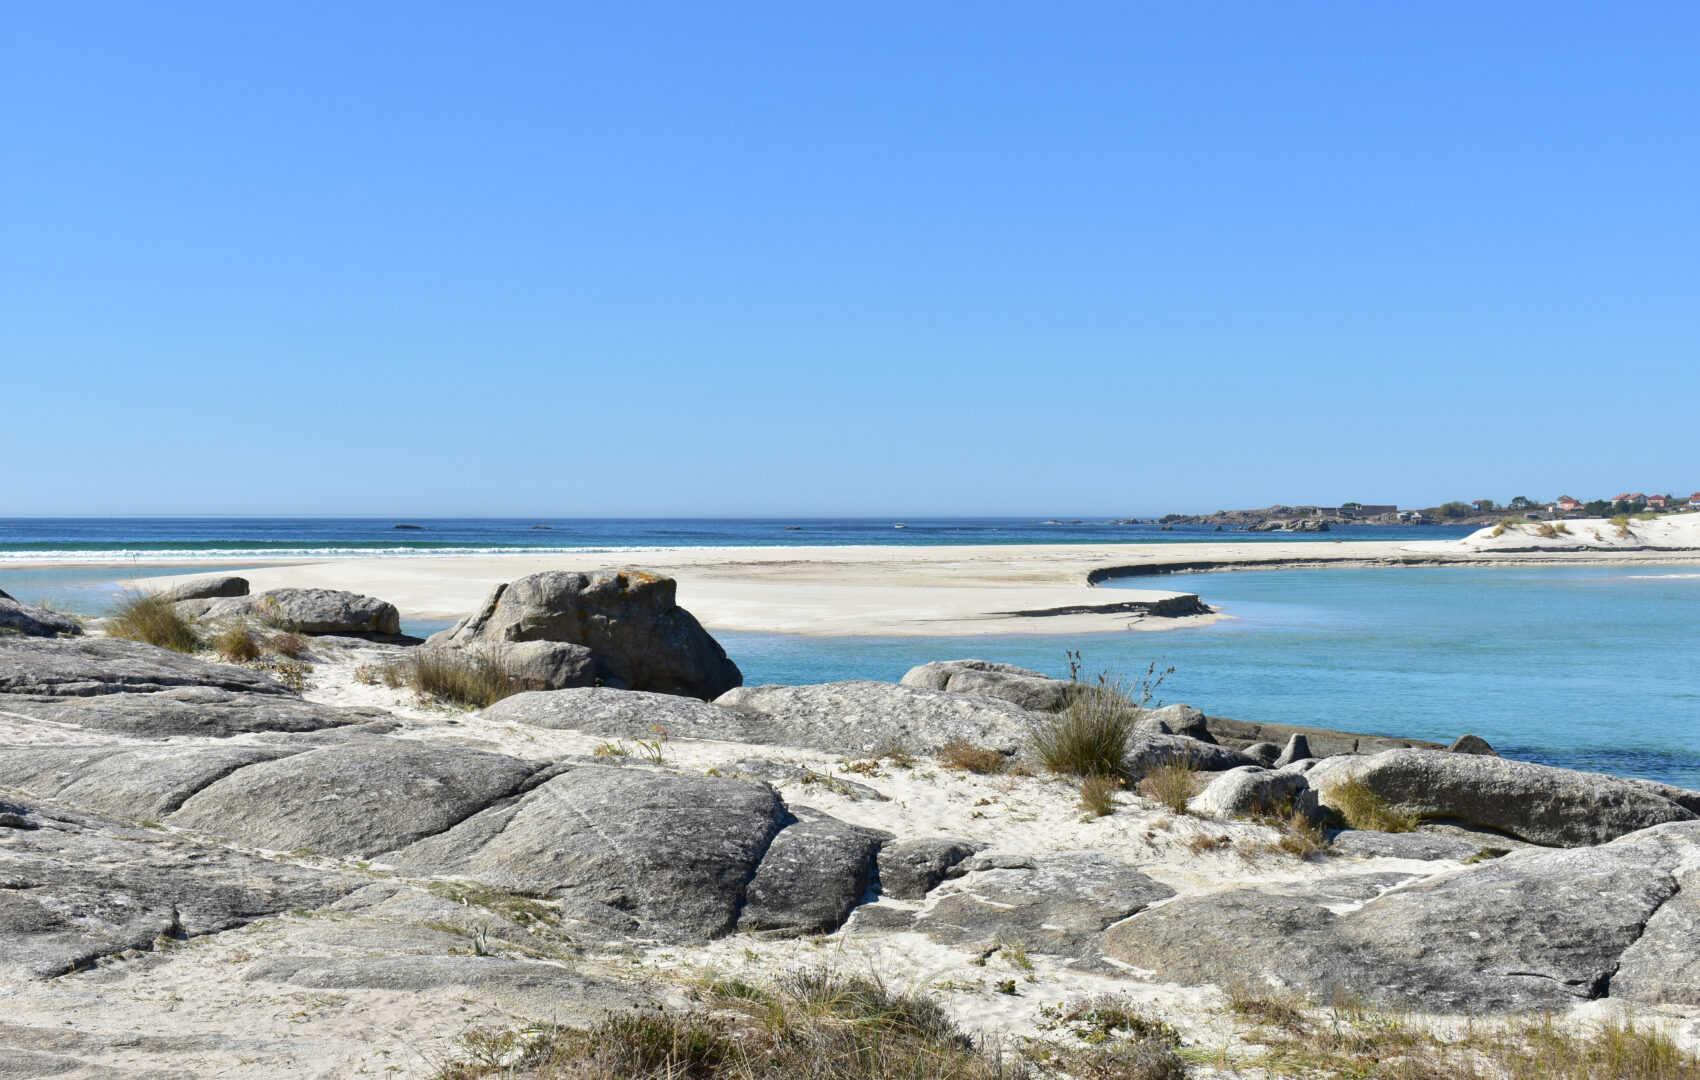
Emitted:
pixel 641 638
pixel 1250 790
pixel 85 667
pixel 630 714
pixel 303 611
pixel 1032 690
pixel 1537 803
pixel 29 620
pixel 210 588
pixel 864 716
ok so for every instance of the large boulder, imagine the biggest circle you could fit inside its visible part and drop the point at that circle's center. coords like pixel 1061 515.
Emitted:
pixel 303 611
pixel 631 621
pixel 1147 750
pixel 1032 690
pixel 1537 930
pixel 629 714
pixel 910 869
pixel 864 716
pixel 352 800
pixel 1240 734
pixel 85 667
pixel 1250 790
pixel 210 588
pixel 29 620
pixel 682 855
pixel 1538 803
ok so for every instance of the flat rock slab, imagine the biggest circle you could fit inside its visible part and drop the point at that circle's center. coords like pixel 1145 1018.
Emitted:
pixel 80 667
pixel 78 889
pixel 629 714
pixel 193 711
pixel 674 852
pixel 1427 846
pixel 1032 690
pixel 781 772
pixel 31 621
pixel 1537 803
pixel 535 989
pixel 1535 930
pixel 1059 904
pixel 863 716
pixel 136 782
pixel 358 799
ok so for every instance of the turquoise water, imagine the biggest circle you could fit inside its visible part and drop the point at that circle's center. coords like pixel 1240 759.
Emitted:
pixel 1589 668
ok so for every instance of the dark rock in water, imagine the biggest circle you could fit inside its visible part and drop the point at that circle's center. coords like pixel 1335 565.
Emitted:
pixel 674 852
pixel 642 639
pixel 545 528
pixel 1531 931
pixel 1472 744
pixel 88 666
pixel 911 869
pixel 304 611
pixel 32 621
pixel 1057 904
pixel 863 716
pixel 352 800
pixel 210 588
pixel 1537 803
pixel 410 526
pixel 1323 742
pixel 78 889
pixel 1031 690
pixel 193 710
pixel 1297 749
pixel 813 874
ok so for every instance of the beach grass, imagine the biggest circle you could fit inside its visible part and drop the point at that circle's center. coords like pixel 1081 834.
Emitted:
pixel 966 757
pixel 1362 808
pixel 453 676
pixel 236 644
pixel 152 618
pixel 1171 784
pixel 1090 736
pixel 1098 795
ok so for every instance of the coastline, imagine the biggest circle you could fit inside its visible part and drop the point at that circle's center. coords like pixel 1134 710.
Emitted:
pixel 936 590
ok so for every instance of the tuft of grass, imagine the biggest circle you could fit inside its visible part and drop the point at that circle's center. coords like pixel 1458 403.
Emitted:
pixel 292 673
pixel 1622 523
pixel 1090 736
pixel 474 679
pixel 965 756
pixel 1171 784
pixel 291 645
pixel 1362 808
pixel 236 644
pixel 1098 795
pixel 1561 527
pixel 1546 531
pixel 1300 837
pixel 154 619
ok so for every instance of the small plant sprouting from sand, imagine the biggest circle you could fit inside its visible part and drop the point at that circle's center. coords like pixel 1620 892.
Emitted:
pixel 288 644
pixel 1171 784
pixel 1622 523
pixel 1561 528
pixel 1089 737
pixel 1098 795
pixel 1362 808
pixel 964 756
pixel 473 679
pixel 152 618
pixel 292 673
pixel 236 644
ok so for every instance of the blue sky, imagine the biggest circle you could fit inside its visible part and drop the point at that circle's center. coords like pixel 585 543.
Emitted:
pixel 723 259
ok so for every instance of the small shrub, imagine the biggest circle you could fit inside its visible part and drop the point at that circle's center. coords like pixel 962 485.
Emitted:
pixel 288 644
pixel 235 644
pixel 1098 795
pixel 369 674
pixel 292 673
pixel 1300 836
pixel 1546 531
pixel 1171 784
pixel 1089 737
pixel 1362 808
pixel 152 618
pixel 967 757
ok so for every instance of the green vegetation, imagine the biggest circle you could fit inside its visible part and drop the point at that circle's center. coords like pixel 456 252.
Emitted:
pixel 1362 808
pixel 1453 510
pixel 236 644
pixel 1098 795
pixel 967 757
pixel 154 619
pixel 1090 736
pixel 476 680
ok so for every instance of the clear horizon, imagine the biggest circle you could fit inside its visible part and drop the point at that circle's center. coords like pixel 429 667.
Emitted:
pixel 764 262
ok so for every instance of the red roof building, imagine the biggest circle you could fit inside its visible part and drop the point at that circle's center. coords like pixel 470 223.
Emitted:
pixel 1565 502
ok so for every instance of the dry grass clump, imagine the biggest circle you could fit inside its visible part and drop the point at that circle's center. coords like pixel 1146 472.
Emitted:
pixel 1172 784
pixel 288 644
pixel 967 757
pixel 1364 809
pixel 1300 836
pixel 810 1025
pixel 474 679
pixel 1117 1041
pixel 1622 523
pixel 154 619
pixel 1098 795
pixel 1351 1040
pixel 236 644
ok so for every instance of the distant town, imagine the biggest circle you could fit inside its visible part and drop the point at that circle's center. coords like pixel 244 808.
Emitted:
pixel 1475 512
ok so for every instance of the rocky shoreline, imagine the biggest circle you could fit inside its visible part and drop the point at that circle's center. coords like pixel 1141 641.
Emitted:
pixel 311 870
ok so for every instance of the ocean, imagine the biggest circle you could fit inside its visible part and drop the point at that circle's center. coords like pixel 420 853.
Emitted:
pixel 1586 667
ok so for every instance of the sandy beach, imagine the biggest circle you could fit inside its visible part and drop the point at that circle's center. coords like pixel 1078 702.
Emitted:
pixel 965 590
